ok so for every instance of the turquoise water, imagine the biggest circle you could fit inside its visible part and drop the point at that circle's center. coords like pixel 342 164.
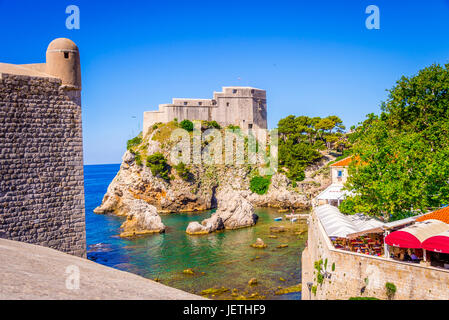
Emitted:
pixel 223 259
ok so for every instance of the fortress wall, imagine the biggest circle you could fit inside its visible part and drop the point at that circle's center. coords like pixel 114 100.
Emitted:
pixel 354 272
pixel 189 113
pixel 41 164
pixel 152 117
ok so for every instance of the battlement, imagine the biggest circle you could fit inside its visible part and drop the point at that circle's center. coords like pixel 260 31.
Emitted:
pixel 245 107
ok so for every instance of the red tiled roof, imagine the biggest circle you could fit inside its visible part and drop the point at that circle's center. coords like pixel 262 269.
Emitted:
pixel 441 214
pixel 342 163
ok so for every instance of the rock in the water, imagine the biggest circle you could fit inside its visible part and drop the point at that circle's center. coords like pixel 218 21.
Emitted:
pixel 233 212
pixel 142 219
pixel 259 244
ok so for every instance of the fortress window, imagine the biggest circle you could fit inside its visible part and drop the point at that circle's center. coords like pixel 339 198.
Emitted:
pixel 200 103
pixel 252 91
pixel 66 55
pixel 185 103
pixel 234 90
pixel 227 104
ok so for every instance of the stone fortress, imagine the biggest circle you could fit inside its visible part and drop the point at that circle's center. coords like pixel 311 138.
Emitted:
pixel 41 151
pixel 245 107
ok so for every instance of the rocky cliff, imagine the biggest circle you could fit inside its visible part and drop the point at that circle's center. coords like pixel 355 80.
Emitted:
pixel 204 186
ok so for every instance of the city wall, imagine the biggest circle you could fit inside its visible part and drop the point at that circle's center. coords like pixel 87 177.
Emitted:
pixel 41 163
pixel 360 275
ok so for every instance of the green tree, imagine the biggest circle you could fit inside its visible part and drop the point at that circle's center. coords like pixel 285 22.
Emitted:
pixel 403 154
pixel 186 125
pixel 260 184
pixel 158 165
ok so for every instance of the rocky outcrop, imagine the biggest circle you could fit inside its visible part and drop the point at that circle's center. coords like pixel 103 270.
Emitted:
pixel 142 219
pixel 233 212
pixel 205 187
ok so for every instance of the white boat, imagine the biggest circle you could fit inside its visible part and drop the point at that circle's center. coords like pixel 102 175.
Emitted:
pixel 278 219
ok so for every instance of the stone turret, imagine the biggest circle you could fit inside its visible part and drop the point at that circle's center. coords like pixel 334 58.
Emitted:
pixel 63 62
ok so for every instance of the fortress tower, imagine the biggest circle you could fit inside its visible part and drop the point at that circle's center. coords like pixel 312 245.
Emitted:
pixel 41 151
pixel 63 62
pixel 245 107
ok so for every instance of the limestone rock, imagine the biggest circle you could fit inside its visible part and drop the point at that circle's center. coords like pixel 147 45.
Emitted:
pixel 235 210
pixel 259 244
pixel 142 219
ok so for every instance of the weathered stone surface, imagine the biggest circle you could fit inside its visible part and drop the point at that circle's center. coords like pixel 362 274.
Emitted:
pixel 34 272
pixel 41 163
pixel 142 219
pixel 260 244
pixel 233 212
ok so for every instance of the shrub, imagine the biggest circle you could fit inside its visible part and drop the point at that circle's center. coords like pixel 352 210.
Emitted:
pixel 260 184
pixel 232 127
pixel 183 171
pixel 210 124
pixel 186 125
pixel 314 290
pixel 333 266
pixel 391 289
pixel 158 165
pixel 134 142
pixel 138 158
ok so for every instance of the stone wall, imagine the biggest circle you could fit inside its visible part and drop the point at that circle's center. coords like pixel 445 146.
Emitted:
pixel 41 164
pixel 360 275
pixel 242 106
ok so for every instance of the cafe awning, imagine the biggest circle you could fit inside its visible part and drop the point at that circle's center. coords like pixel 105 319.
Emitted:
pixel 437 243
pixel 413 236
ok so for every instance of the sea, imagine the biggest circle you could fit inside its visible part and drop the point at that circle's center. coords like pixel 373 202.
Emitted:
pixel 223 260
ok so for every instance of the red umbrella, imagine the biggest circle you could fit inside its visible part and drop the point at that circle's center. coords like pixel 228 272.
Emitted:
pixel 402 239
pixel 437 243
pixel 413 236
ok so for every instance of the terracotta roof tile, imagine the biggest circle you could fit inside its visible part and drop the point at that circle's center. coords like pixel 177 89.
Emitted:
pixel 441 214
pixel 342 163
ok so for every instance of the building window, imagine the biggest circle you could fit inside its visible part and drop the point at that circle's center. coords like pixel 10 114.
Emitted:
pixel 200 103
pixel 66 55
pixel 250 126
pixel 339 173
pixel 185 103
pixel 252 91
pixel 234 90
pixel 227 104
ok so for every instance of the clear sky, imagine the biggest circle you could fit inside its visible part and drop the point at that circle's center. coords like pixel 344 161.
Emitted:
pixel 314 58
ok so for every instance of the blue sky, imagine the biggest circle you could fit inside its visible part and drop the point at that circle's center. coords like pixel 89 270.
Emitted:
pixel 313 57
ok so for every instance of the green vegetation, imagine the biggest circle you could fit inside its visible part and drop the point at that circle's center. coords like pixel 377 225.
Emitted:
pixel 183 171
pixel 138 158
pixel 134 142
pixel 260 184
pixel 301 138
pixel 209 124
pixel 314 288
pixel 232 127
pixel 404 152
pixel 363 298
pixel 391 290
pixel 158 165
pixel 333 266
pixel 186 125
